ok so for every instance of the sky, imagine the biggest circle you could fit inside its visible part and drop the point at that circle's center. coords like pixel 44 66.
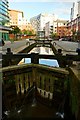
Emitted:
pixel 31 8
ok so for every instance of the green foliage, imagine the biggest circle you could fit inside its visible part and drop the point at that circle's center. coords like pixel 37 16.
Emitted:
pixel 27 32
pixel 20 32
pixel 54 35
pixel 16 30
pixel 75 34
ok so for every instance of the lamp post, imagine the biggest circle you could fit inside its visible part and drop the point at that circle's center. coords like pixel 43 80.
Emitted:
pixel 77 23
pixel 71 34
pixel 77 26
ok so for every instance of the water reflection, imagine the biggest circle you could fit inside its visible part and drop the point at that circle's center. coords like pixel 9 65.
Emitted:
pixel 41 50
pixel 49 62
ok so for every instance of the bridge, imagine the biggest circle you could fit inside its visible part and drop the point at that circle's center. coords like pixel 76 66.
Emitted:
pixel 55 89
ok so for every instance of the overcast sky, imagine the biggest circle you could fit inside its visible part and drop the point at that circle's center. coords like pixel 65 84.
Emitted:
pixel 32 8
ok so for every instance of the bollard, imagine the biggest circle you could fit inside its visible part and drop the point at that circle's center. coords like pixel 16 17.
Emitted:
pixel 78 63
pixel 9 51
pixel 59 51
pixel 59 58
pixel 35 58
pixel 78 51
pixel 9 54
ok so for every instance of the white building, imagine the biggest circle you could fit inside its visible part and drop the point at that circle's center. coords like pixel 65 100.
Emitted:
pixel 38 22
pixel 48 29
pixel 56 26
pixel 79 8
pixel 75 10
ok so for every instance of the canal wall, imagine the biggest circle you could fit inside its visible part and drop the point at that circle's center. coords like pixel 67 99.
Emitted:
pixel 74 84
pixel 19 79
pixel 32 73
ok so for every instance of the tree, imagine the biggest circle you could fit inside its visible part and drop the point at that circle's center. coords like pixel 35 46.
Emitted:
pixel 54 35
pixel 78 35
pixel 27 32
pixel 15 31
pixel 24 31
pixel 74 34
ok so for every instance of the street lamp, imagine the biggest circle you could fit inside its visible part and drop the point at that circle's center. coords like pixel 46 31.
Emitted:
pixel 71 30
pixel 77 26
pixel 77 23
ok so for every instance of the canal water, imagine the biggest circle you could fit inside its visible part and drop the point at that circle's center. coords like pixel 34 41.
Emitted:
pixel 41 50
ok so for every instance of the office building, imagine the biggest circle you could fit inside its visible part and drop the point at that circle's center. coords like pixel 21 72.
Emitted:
pixel 38 22
pixel 17 19
pixel 4 18
pixel 58 27
pixel 75 10
pixel 74 24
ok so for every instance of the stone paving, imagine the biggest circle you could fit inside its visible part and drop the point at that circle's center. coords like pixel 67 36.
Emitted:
pixel 67 47
pixel 15 46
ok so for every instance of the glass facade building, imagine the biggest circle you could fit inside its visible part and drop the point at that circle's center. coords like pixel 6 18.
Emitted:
pixel 4 18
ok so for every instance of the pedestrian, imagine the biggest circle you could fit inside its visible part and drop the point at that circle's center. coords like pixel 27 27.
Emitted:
pixel 3 43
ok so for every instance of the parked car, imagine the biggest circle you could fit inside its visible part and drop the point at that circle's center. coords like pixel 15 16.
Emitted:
pixel 61 39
